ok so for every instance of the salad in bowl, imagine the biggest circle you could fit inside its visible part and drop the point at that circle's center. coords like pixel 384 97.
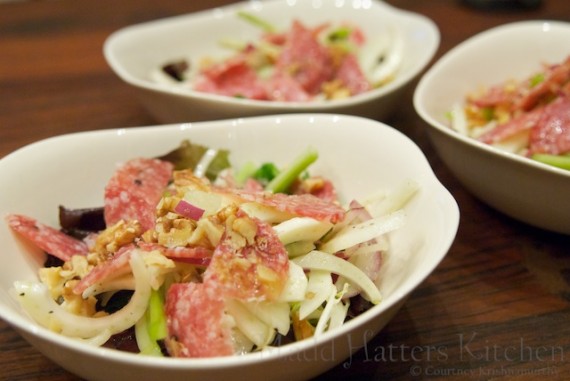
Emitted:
pixel 327 61
pixel 193 258
pixel 203 250
pixel 529 117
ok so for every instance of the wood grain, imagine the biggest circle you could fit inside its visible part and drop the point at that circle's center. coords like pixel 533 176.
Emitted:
pixel 498 306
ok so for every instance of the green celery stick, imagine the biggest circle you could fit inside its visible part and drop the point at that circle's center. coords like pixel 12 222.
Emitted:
pixel 560 161
pixel 156 317
pixel 283 181
pixel 257 21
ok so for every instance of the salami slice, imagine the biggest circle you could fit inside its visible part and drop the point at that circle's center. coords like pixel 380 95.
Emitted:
pixel 134 190
pixel 304 205
pixel 351 76
pixel 115 267
pixel 494 96
pixel 283 87
pixel 305 59
pixel 317 186
pixel 249 266
pixel 552 132
pixel 555 77
pixel 523 123
pixel 196 323
pixel 232 78
pixel 45 237
pixel 197 255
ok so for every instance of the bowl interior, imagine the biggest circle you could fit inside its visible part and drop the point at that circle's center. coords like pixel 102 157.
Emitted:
pixel 135 51
pixel 359 155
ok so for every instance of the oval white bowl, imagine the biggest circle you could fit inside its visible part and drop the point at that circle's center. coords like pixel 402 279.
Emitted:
pixel 526 190
pixel 359 155
pixel 134 52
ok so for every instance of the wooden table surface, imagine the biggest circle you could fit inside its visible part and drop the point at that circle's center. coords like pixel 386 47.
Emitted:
pixel 497 307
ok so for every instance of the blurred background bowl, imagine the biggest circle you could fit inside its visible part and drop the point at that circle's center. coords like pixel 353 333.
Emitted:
pixel 135 52
pixel 521 188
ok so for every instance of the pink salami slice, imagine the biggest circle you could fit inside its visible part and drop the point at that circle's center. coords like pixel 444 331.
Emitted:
pixel 233 78
pixel 494 96
pixel 325 189
pixel 115 267
pixel 555 77
pixel 351 76
pixel 305 59
pixel 195 321
pixel 552 132
pixel 523 123
pixel 197 255
pixel 253 185
pixel 134 190
pixel 45 237
pixel 249 271
pixel 283 87
pixel 304 205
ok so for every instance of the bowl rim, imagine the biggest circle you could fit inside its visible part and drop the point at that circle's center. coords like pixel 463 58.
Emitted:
pixel 452 224
pixel 325 105
pixel 420 93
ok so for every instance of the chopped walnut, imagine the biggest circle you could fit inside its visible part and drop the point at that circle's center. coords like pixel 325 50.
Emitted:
pixel 112 238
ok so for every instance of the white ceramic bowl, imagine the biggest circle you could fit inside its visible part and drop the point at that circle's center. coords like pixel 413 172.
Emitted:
pixel 524 189
pixel 359 155
pixel 136 51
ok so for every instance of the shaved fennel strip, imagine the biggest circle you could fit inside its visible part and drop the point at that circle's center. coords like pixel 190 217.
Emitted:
pixel 98 340
pixel 296 285
pixel 250 325
pixel 322 324
pixel 274 314
pixel 323 261
pixel 389 51
pixel 459 119
pixel 301 229
pixel 334 313
pixel 393 201
pixel 35 299
pixel 204 163
pixel 126 282
pixel 318 289
pixel 353 235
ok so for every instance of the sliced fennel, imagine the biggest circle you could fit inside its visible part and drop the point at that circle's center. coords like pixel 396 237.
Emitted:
pixel 301 229
pixel 395 199
pixel 352 235
pixel 381 58
pixel 125 282
pixel 204 163
pixel 35 299
pixel 334 313
pixel 296 284
pixel 459 119
pixel 265 213
pixel 250 325
pixel 318 260
pixel 274 314
pixel 295 249
pixel 210 202
pixel 318 290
